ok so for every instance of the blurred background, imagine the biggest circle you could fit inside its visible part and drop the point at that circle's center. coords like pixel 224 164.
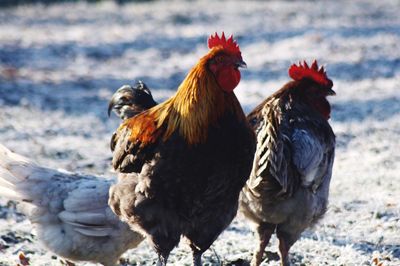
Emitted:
pixel 11 3
pixel 60 62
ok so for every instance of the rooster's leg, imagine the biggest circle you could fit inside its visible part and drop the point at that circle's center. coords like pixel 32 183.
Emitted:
pixel 284 252
pixel 162 260
pixel 264 232
pixel 163 246
pixel 197 258
pixel 200 239
pixel 286 241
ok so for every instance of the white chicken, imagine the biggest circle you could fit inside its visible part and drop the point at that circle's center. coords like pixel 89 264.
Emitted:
pixel 69 211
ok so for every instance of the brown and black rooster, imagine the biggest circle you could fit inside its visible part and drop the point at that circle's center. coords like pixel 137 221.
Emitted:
pixel 289 185
pixel 183 162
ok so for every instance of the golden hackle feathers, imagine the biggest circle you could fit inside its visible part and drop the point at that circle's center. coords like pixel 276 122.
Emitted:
pixel 197 104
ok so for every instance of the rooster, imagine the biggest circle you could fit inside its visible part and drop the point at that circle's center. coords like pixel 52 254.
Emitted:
pixel 69 211
pixel 183 162
pixel 289 184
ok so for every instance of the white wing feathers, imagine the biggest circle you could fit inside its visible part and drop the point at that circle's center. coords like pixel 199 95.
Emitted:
pixel 51 194
pixel 70 211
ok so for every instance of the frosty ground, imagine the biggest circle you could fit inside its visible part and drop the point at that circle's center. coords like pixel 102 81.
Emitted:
pixel 59 66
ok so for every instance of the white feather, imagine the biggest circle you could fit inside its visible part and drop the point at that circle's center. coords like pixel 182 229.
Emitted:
pixel 69 211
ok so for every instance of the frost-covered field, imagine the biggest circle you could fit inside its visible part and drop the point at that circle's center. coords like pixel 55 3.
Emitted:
pixel 59 65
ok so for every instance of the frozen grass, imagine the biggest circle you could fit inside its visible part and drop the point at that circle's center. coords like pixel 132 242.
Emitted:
pixel 59 65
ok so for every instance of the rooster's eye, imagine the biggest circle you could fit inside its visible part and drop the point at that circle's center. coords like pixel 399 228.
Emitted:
pixel 218 59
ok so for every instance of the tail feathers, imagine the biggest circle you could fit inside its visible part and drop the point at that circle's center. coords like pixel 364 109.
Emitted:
pixel 14 167
pixel 22 183
pixel 10 194
pixel 7 180
pixel 8 157
pixel 8 185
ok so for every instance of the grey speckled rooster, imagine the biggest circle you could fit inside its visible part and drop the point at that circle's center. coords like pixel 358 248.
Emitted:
pixel 289 185
pixel 70 211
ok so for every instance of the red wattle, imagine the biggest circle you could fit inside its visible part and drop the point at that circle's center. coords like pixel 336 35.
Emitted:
pixel 228 78
pixel 323 107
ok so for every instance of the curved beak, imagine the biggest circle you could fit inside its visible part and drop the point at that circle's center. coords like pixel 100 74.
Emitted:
pixel 114 102
pixel 110 106
pixel 331 92
pixel 241 64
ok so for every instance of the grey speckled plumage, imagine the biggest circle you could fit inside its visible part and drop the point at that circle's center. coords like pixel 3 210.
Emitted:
pixel 289 184
pixel 69 211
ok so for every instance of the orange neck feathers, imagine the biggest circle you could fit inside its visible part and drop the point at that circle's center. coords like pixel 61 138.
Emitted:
pixel 198 103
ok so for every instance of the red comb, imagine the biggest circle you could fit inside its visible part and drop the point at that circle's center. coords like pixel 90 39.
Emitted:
pixel 228 44
pixel 299 72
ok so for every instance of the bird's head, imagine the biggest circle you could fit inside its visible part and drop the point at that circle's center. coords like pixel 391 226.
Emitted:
pixel 319 85
pixel 201 100
pixel 314 85
pixel 128 101
pixel 224 60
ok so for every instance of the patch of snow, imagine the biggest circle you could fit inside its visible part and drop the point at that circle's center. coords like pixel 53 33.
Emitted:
pixel 60 64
